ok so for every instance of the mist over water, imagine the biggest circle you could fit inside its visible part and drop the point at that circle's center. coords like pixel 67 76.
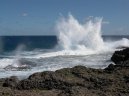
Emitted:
pixel 78 44
pixel 76 36
pixel 86 37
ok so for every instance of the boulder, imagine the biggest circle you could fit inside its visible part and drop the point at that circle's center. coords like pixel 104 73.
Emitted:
pixel 121 57
pixel 110 67
pixel 60 79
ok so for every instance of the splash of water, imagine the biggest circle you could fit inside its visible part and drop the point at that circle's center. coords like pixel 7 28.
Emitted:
pixel 75 36
pixel 74 39
pixel 19 49
pixel 81 39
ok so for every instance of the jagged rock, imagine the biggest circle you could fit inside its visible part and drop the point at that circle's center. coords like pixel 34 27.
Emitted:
pixel 76 81
pixel 120 57
pixel 60 79
pixel 79 79
pixel 110 67
pixel 11 82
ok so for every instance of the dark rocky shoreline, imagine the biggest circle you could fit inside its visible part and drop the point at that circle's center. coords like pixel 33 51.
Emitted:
pixel 76 81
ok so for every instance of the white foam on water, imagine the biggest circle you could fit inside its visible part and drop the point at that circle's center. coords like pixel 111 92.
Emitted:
pixel 5 62
pixel 81 39
pixel 75 39
pixel 124 42
pixel 76 36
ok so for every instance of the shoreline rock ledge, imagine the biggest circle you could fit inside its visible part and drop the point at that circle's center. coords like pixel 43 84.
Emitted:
pixel 121 57
pixel 76 81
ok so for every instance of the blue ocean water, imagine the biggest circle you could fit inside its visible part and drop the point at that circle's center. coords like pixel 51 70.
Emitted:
pixel 75 43
pixel 11 43
pixel 23 55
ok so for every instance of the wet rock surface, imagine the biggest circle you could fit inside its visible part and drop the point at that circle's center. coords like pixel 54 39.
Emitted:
pixel 76 81
pixel 121 57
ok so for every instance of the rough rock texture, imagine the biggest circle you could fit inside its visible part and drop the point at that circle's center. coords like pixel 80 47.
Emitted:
pixel 121 57
pixel 11 82
pixel 76 81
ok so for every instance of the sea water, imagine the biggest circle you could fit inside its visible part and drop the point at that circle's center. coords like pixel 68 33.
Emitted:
pixel 74 44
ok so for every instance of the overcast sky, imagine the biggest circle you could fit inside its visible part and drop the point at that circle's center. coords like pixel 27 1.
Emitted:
pixel 38 17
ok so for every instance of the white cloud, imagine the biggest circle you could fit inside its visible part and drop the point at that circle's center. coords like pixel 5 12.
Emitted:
pixel 24 14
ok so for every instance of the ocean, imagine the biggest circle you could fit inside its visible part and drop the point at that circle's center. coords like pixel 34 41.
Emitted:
pixel 74 44
pixel 23 55
pixel 12 43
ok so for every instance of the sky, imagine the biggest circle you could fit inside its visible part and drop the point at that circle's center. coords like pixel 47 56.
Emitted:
pixel 38 17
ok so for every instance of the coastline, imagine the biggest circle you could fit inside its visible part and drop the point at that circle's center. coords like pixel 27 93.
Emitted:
pixel 76 81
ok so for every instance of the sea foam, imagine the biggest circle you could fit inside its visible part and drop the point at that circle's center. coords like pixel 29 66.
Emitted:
pixel 75 38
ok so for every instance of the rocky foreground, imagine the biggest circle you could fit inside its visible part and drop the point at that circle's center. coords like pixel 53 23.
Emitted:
pixel 76 81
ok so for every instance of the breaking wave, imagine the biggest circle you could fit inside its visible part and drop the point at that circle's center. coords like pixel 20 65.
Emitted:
pixel 82 39
pixel 74 38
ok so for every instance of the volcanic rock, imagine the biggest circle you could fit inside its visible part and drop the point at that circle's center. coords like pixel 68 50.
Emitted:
pixel 11 82
pixel 121 57
pixel 76 81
